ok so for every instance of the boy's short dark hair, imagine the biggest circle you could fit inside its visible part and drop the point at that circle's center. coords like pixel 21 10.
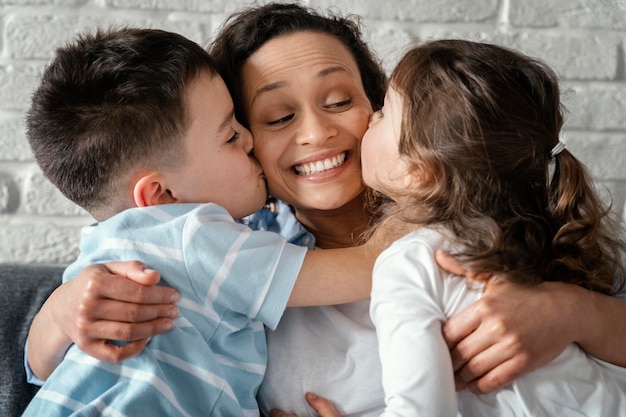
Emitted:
pixel 108 102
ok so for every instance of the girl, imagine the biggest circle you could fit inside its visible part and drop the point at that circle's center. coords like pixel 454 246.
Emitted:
pixel 467 146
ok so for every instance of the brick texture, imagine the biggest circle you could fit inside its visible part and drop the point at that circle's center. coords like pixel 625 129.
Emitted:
pixel 582 39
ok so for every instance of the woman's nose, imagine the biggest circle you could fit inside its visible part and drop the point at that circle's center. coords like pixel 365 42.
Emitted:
pixel 315 128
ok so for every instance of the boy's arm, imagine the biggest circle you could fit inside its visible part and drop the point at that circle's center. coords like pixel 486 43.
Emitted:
pixel 334 276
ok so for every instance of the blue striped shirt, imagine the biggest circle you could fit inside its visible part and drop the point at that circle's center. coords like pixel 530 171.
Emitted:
pixel 232 282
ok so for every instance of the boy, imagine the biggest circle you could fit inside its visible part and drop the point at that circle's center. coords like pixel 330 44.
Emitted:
pixel 129 124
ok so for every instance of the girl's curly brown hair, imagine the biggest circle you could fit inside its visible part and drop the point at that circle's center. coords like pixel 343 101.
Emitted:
pixel 482 120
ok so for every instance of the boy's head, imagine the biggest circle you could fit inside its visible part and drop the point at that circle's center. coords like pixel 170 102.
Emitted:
pixel 122 117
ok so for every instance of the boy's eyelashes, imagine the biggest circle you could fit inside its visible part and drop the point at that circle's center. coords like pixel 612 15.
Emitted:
pixel 234 137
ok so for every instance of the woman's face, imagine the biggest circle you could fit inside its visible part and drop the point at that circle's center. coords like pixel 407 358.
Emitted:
pixel 307 111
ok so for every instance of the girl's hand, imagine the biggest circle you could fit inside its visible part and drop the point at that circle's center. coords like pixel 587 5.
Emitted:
pixel 323 407
pixel 114 301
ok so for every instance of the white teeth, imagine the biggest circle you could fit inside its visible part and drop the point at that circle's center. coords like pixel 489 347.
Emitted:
pixel 321 166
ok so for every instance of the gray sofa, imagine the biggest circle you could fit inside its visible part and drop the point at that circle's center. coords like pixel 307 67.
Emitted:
pixel 23 289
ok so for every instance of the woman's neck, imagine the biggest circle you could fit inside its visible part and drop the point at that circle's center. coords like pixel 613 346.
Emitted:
pixel 338 228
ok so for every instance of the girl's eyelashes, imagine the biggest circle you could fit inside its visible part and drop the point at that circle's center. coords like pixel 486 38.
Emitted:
pixel 234 137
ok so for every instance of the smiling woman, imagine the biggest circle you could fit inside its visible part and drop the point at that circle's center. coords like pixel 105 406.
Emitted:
pixel 308 111
pixel 308 128
pixel 304 97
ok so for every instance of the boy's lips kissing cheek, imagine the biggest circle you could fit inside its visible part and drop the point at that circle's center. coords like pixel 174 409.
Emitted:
pixel 321 165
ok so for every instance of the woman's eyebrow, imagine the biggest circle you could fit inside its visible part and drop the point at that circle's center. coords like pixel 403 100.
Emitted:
pixel 330 70
pixel 273 86
pixel 267 88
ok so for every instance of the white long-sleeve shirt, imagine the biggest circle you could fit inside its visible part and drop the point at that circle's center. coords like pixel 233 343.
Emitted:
pixel 411 300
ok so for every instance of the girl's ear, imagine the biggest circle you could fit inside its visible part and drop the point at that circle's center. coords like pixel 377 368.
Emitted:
pixel 417 177
pixel 150 190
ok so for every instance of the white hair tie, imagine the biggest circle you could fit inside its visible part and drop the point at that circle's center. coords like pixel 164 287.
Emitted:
pixel 558 148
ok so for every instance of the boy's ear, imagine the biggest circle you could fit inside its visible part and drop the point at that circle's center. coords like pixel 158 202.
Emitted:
pixel 150 190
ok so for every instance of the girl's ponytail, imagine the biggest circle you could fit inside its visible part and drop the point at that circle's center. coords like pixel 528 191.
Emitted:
pixel 588 247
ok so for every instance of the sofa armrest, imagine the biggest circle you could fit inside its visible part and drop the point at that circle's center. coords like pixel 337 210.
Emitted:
pixel 23 289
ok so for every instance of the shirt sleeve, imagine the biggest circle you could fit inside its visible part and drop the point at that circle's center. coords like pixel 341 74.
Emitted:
pixel 235 269
pixel 31 378
pixel 408 315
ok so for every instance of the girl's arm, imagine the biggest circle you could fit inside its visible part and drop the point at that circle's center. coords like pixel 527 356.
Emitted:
pixel 408 309
pixel 514 329
pixel 114 301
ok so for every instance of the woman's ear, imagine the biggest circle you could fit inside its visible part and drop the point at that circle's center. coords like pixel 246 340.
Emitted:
pixel 150 190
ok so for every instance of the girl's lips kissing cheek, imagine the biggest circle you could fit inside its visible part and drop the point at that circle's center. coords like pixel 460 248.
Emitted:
pixel 322 165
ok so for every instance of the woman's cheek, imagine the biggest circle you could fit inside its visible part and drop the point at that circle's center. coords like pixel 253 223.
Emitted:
pixel 362 123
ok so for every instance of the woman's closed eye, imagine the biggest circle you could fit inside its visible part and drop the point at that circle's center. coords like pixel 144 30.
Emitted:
pixel 281 120
pixel 339 104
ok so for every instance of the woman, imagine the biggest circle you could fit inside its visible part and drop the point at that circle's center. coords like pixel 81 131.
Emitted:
pixel 306 93
pixel 309 109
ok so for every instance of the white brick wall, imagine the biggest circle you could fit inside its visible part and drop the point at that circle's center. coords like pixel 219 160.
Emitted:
pixel 584 40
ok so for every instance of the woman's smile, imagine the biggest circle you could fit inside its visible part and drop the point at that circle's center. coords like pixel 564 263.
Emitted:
pixel 321 165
